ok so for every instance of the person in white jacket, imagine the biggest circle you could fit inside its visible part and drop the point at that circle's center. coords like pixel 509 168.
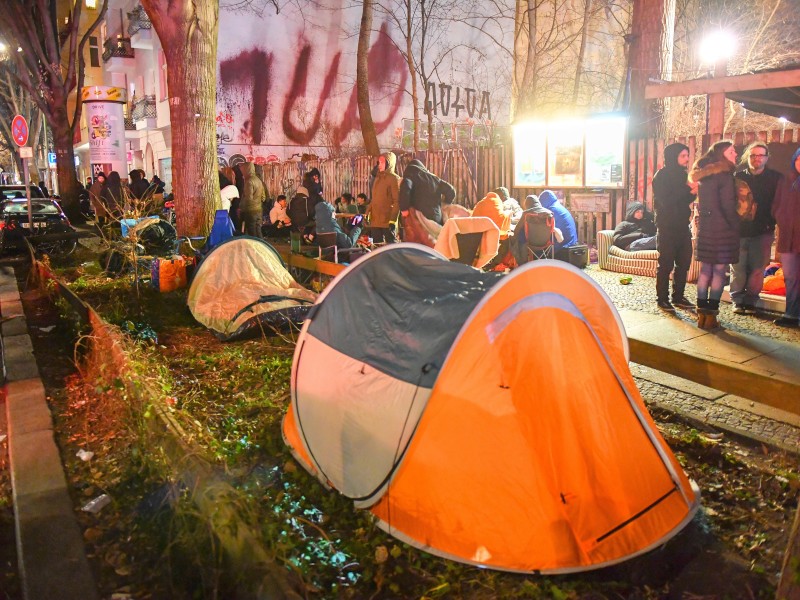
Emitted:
pixel 227 191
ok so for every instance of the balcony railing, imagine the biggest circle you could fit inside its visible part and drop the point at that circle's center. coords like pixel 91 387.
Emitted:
pixel 129 124
pixel 138 20
pixel 119 47
pixel 144 108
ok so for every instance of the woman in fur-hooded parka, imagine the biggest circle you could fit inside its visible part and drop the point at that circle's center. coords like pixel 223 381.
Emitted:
pixel 718 231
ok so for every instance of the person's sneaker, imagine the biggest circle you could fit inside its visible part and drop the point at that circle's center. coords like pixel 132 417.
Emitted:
pixel 786 322
pixel 665 305
pixel 683 302
pixel 739 309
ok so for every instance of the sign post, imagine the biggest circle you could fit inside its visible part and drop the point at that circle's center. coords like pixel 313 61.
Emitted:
pixel 19 131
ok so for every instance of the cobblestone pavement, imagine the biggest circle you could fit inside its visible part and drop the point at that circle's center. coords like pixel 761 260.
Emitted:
pixel 706 407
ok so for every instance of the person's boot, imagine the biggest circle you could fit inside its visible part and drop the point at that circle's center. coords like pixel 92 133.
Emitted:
pixel 702 313
pixel 713 311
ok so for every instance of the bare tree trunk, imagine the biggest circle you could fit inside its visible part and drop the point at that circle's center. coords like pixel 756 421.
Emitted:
pixel 412 69
pixel 652 31
pixel 789 586
pixel 587 11
pixel 362 81
pixel 65 160
pixel 188 34
pixel 524 98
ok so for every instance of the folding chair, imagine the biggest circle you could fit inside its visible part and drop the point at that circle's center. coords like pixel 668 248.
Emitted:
pixel 539 235
pixel 469 247
pixel 328 250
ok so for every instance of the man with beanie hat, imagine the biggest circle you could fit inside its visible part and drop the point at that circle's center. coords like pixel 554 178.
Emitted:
pixel 673 197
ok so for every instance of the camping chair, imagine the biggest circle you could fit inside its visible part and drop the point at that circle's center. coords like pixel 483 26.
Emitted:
pixel 539 235
pixel 328 250
pixel 469 247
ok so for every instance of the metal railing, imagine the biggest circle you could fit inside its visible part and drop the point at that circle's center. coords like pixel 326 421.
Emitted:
pixel 138 20
pixel 144 108
pixel 117 46
pixel 129 124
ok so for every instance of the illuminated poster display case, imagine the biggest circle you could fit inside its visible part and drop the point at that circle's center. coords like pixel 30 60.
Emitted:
pixel 577 153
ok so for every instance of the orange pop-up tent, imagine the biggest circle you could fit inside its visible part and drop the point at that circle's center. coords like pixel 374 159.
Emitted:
pixel 485 418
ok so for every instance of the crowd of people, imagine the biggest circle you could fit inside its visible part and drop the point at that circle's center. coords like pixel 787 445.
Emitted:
pixel 413 207
pixel 104 197
pixel 738 208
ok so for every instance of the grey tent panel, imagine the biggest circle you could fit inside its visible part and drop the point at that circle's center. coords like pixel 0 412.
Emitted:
pixel 400 311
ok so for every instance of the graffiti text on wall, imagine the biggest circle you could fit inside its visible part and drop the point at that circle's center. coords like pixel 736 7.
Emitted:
pixel 251 70
pixel 456 98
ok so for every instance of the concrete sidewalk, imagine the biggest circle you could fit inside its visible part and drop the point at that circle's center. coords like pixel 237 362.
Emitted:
pixel 50 549
pixel 755 355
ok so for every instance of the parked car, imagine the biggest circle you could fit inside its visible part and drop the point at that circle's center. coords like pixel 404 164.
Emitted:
pixel 17 191
pixel 48 218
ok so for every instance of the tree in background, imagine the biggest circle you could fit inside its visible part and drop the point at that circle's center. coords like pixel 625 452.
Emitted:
pixel 188 34
pixel 362 80
pixel 49 66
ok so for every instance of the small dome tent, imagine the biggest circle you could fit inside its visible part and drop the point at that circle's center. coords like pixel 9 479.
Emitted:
pixel 488 419
pixel 241 285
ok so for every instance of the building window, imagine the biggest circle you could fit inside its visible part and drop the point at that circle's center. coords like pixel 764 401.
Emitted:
pixel 94 52
pixel 162 76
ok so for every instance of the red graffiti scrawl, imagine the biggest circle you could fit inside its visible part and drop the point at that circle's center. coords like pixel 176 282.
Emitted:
pixel 253 69
pixel 250 69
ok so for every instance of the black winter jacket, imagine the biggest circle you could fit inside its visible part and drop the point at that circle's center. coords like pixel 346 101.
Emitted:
pixel 672 196
pixel 632 229
pixel 423 190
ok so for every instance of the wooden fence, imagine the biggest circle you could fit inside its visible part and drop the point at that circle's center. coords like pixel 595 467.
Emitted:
pixel 476 171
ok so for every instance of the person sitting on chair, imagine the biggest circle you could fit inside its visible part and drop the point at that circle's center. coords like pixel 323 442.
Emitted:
pixel 637 231
pixel 519 241
pixel 326 223
pixel 564 220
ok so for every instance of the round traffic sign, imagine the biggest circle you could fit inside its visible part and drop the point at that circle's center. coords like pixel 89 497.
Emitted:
pixel 19 130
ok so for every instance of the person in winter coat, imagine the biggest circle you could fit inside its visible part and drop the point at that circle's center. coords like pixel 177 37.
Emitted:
pixel 138 185
pixel 301 212
pixel 326 223
pixel 227 191
pixel 423 191
pixel 786 210
pixel 637 231
pixel 385 206
pixel 111 196
pixel 95 197
pixel 564 221
pixel 519 248
pixel 673 197
pixel 756 235
pixel 510 204
pixel 718 230
pixel 312 181
pixel 250 206
pixel 491 206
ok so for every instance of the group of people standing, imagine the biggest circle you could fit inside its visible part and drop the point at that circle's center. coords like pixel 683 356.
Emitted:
pixel 738 209
pixel 105 192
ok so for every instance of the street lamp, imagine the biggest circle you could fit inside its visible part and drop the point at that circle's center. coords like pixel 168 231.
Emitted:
pixel 715 49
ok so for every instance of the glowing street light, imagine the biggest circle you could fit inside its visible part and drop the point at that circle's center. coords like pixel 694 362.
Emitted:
pixel 717 46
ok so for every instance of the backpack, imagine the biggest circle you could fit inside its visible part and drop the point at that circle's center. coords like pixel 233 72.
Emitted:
pixel 745 205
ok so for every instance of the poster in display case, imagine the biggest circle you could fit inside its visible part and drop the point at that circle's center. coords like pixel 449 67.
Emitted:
pixel 530 155
pixel 605 152
pixel 565 154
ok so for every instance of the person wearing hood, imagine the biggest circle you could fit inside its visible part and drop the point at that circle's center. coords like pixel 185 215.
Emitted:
pixel 786 210
pixel 385 207
pixel 250 206
pixel 325 220
pixel 138 185
pixel 301 212
pixel 757 234
pixel 519 240
pixel 673 197
pixel 564 221
pixel 637 231
pixel 312 181
pixel 423 191
pixel 718 230
pixel 227 191
pixel 510 205
pixel 111 195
